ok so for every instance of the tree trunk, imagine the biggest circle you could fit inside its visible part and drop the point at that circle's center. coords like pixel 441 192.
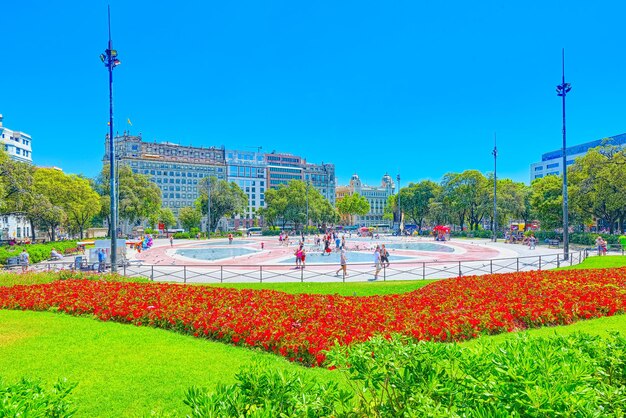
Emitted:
pixel 32 230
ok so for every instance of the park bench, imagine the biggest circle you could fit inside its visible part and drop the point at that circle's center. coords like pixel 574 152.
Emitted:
pixel 12 262
pixel 554 243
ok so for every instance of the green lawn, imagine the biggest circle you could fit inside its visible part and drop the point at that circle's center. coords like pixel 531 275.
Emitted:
pixel 597 262
pixel 344 289
pixel 134 370
pixel 122 370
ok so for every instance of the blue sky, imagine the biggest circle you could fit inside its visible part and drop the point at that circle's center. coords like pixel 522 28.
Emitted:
pixel 416 88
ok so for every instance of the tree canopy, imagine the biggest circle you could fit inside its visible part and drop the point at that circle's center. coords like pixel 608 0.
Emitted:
pixel 226 199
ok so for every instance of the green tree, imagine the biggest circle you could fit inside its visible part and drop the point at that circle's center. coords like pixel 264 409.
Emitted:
pixel 597 185
pixel 466 196
pixel 416 200
pixel 189 217
pixel 83 204
pixel 351 205
pixel 16 184
pixel 167 218
pixel 546 200
pixel 138 196
pixel 226 199
pixel 288 204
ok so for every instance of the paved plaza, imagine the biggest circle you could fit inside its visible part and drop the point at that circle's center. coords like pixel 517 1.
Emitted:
pixel 265 259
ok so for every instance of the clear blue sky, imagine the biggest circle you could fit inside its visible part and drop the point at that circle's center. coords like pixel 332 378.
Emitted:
pixel 412 87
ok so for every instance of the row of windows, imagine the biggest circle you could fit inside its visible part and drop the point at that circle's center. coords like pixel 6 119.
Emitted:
pixel 284 170
pixel 187 167
pixel 244 157
pixel 242 171
pixel 178 151
pixel 175 181
pixel 178 188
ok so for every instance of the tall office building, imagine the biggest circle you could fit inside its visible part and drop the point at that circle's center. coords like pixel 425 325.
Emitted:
pixel 16 144
pixel 175 169
pixel 375 195
pixel 551 163
pixel 248 170
pixel 283 167
pixel 322 177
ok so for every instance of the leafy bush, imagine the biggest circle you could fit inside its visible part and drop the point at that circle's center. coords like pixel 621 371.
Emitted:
pixel 271 232
pixel 37 252
pixel 481 233
pixel 558 376
pixel 263 392
pixel 574 375
pixel 28 398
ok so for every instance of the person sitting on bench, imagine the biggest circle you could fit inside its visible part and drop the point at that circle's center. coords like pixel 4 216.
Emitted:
pixel 55 255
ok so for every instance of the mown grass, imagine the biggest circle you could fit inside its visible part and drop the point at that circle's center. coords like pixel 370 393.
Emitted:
pixel 122 370
pixel 344 289
pixel 596 262
pixel 131 371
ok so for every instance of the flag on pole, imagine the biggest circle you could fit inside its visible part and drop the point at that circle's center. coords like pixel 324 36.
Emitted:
pixel 128 120
pixel 109 123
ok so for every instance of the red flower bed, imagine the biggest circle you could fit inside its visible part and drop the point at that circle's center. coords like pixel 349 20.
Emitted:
pixel 301 327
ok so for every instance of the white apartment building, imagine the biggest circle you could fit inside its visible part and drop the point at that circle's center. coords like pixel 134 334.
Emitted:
pixel 16 144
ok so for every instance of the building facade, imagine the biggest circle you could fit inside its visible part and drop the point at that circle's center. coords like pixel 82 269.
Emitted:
pixel 376 196
pixel 175 169
pixel 551 163
pixel 14 226
pixel 16 144
pixel 281 168
pixel 248 170
pixel 321 177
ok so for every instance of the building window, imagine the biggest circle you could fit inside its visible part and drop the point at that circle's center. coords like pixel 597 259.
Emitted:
pixel 538 168
pixel 552 165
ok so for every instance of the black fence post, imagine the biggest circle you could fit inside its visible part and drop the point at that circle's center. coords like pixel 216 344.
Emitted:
pixel 423 270
pixel 558 261
pixel 152 273
pixel 539 262
pixel 260 274
pixel 185 274
pixel 384 273
pixel 518 264
pixel 491 266
pixel 221 274
pixel 460 272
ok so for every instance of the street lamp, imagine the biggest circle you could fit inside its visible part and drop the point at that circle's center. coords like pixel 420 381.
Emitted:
pixel 208 203
pixel 308 181
pixel 399 210
pixel 562 90
pixel 110 60
pixel 495 190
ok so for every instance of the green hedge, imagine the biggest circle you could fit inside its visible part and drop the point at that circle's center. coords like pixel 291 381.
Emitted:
pixel 37 252
pixel 523 376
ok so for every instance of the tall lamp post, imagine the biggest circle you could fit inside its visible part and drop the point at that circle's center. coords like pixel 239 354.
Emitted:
pixel 399 209
pixel 307 206
pixel 562 90
pixel 208 204
pixel 110 60
pixel 495 189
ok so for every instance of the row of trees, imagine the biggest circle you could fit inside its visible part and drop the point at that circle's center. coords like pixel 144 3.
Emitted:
pixel 596 189
pixel 51 198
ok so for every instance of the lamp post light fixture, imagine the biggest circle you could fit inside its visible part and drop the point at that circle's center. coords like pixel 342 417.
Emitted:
pixel 495 189
pixel 562 90
pixel 110 60
pixel 208 204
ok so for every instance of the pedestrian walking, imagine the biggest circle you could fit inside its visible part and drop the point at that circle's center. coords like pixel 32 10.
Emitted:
pixel 24 260
pixel 376 263
pixel 101 260
pixel 171 240
pixel 384 256
pixel 343 263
